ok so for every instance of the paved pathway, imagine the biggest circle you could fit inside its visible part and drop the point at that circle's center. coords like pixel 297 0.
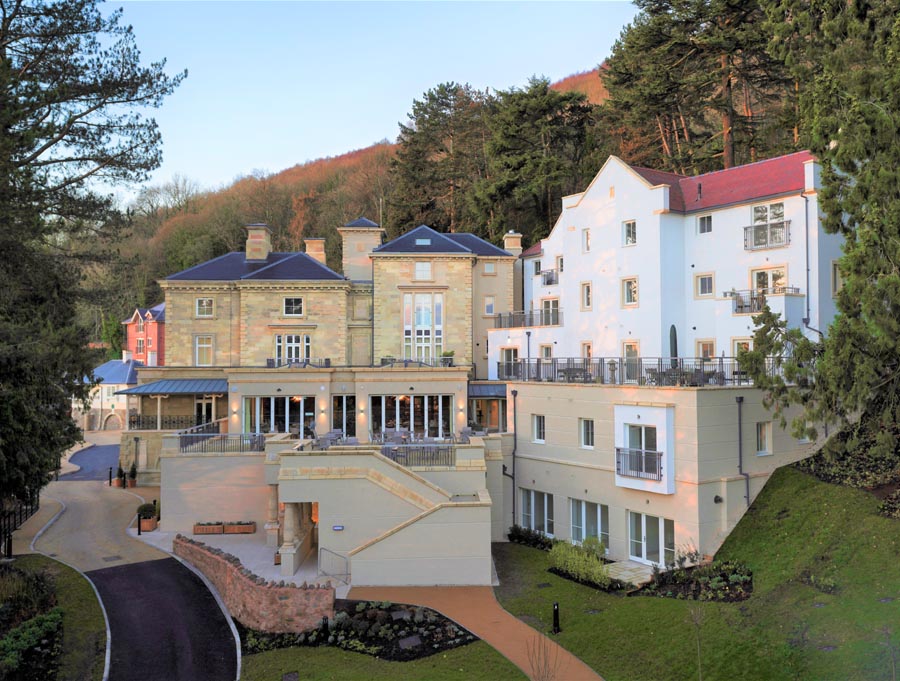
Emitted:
pixel 476 608
pixel 164 622
pixel 93 463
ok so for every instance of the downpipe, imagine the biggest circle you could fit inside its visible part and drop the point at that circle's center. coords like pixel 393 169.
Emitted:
pixel 515 394
pixel 740 403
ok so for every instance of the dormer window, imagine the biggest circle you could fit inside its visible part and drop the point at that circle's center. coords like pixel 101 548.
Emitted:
pixel 423 242
pixel 140 324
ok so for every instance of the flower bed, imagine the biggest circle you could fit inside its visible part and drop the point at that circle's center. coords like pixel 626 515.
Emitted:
pixel 721 580
pixel 532 538
pixel 585 564
pixel 385 630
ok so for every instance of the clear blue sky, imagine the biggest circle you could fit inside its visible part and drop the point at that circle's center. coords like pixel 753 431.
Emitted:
pixel 273 84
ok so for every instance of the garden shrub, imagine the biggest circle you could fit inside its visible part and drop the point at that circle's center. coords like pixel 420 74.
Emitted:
pixel 146 511
pixel 721 580
pixel 846 459
pixel 890 506
pixel 826 585
pixel 533 538
pixel 583 564
pixel 23 595
pixel 30 651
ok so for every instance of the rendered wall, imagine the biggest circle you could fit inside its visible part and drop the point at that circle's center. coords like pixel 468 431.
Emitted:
pixel 450 546
pixel 213 487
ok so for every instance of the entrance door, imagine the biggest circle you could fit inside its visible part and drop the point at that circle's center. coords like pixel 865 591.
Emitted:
pixel 632 361
pixel 510 368
pixel 771 280
pixel 203 410
pixel 651 539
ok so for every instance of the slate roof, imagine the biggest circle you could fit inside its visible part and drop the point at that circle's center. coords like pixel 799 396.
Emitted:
pixel 179 386
pixel 235 266
pixel 362 222
pixel 439 243
pixel 117 372
pixel 772 177
pixel 157 313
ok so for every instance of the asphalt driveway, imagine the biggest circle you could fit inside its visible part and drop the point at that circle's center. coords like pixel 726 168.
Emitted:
pixel 94 463
pixel 164 624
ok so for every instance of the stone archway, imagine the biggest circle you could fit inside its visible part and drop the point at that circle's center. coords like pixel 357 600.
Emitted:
pixel 112 422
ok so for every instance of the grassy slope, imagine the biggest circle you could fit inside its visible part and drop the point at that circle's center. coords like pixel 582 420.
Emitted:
pixel 475 661
pixel 84 629
pixel 797 524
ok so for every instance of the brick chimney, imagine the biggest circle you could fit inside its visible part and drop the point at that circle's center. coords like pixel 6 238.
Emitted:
pixel 315 248
pixel 259 242
pixel 358 239
pixel 512 242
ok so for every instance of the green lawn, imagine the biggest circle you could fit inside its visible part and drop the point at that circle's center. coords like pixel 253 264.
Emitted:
pixel 84 629
pixel 475 661
pixel 786 630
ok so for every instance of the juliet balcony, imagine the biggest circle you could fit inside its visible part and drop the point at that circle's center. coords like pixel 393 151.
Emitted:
pixel 527 318
pixel 767 235
pixel 639 463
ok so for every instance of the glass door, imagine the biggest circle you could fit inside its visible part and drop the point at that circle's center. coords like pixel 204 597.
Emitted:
pixel 651 539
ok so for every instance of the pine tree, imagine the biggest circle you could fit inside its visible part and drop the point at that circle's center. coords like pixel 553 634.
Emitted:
pixel 71 86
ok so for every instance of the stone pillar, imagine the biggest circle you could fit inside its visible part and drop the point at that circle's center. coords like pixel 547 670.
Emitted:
pixel 273 527
pixel 290 557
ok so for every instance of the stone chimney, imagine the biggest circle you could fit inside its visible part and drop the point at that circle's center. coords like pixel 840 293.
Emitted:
pixel 259 242
pixel 315 249
pixel 358 239
pixel 512 242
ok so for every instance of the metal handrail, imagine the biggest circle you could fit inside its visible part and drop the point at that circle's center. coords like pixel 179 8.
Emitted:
pixel 221 444
pixel 767 235
pixel 343 576
pixel 526 318
pixel 420 454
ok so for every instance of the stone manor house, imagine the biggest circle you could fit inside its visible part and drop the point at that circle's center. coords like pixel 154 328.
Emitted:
pixel 388 422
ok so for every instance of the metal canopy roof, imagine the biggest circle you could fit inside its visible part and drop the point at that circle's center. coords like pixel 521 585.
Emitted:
pixel 487 389
pixel 180 386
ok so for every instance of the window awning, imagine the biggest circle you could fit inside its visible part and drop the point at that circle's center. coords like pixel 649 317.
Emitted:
pixel 482 390
pixel 180 386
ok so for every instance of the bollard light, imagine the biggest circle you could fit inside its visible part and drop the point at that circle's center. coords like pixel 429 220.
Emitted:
pixel 556 628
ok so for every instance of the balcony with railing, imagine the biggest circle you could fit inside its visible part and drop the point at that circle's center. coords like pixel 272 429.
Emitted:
pixel 644 371
pixel 310 362
pixel 753 301
pixel 162 422
pixel 526 318
pixel 767 235
pixel 549 277
pixel 639 463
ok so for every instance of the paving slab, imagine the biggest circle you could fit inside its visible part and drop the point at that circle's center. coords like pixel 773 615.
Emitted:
pixel 476 608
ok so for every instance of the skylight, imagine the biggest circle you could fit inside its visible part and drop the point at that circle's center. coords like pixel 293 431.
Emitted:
pixel 423 242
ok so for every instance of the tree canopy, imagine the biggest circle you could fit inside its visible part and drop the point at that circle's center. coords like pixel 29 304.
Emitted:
pixel 851 110
pixel 72 91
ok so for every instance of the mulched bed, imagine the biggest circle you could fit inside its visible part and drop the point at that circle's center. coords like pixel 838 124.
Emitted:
pixel 614 584
pixel 721 581
pixel 389 631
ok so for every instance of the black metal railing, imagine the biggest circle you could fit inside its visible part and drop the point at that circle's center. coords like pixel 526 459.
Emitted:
pixel 767 235
pixel 221 444
pixel 652 371
pixel 420 454
pixel 524 318
pixel 313 362
pixel 753 301
pixel 12 519
pixel 405 363
pixel 549 277
pixel 149 422
pixel 639 463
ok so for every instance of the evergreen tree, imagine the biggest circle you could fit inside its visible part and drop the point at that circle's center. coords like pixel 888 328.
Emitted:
pixel 853 109
pixel 71 85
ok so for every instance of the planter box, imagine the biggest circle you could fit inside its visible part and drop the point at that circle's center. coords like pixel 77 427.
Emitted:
pixel 117 482
pixel 240 528
pixel 148 524
pixel 132 483
pixel 216 528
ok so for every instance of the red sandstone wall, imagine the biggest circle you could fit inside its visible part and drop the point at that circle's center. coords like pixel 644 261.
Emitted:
pixel 255 603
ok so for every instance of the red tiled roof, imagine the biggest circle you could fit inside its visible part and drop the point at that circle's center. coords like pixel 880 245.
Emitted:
pixel 534 249
pixel 772 177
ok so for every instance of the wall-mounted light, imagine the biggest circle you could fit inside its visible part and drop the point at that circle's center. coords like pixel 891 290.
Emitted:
pixel 234 412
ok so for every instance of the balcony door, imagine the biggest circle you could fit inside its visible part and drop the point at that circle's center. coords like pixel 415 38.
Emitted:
pixel 769 280
pixel 550 312
pixel 651 539
pixel 510 367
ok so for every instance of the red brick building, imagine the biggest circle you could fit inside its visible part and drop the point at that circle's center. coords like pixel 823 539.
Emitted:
pixel 145 336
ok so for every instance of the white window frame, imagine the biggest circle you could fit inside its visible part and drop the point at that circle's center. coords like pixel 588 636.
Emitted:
pixel 490 268
pixel 537 268
pixel 763 438
pixel 630 290
pixel 711 342
pixel 837 281
pixel 539 429
pixel 208 308
pixel 705 224
pixel 586 240
pixel 629 233
pixel 422 271
pixel 529 499
pixel 139 349
pixel 423 325
pixel 489 303
pixel 586 433
pixel 292 347
pixel 698 285
pixel 587 299
pixel 578 517
pixel 140 324
pixel 560 262
pixel 293 306
pixel 204 342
